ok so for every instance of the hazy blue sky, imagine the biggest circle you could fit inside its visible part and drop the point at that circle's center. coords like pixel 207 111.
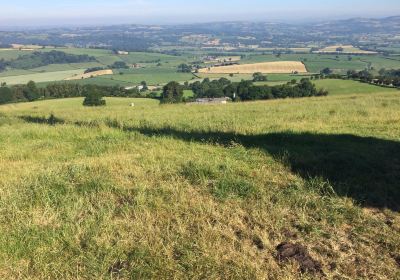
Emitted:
pixel 57 12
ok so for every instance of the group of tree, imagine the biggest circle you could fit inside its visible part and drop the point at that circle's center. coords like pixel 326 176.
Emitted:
pixel 384 77
pixel 93 96
pixel 326 71
pixel 172 93
pixel 93 69
pixel 246 90
pixel 38 59
pixel 3 65
pixel 30 92
pixel 119 65
pixel 184 68
pixel 259 77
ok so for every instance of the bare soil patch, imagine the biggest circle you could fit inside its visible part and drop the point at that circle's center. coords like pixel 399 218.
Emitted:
pixel 299 253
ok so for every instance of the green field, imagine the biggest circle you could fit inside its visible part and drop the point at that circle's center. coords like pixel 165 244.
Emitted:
pixel 200 192
pixel 40 77
pixel 148 71
pixel 157 68
pixel 345 87
pixel 339 87
pixel 340 64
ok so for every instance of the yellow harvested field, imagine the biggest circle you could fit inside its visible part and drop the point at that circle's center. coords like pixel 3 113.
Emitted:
pixel 90 75
pixel 264 67
pixel 347 49
pixel 26 47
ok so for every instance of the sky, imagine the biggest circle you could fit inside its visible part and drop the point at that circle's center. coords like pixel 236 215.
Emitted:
pixel 88 12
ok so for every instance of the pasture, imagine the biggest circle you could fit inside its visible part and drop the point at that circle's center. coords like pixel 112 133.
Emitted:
pixel 175 191
pixel 349 87
pixel 40 77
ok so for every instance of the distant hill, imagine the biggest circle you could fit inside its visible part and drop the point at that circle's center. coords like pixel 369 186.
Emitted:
pixel 232 34
pixel 361 25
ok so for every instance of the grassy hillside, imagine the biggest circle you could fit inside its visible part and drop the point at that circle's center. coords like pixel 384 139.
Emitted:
pixel 208 192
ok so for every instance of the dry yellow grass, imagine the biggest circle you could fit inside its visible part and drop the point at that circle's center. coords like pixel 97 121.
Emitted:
pixel 25 47
pixel 264 67
pixel 90 75
pixel 347 49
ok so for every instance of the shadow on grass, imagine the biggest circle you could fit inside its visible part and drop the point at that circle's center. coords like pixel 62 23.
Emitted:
pixel 364 168
pixel 51 120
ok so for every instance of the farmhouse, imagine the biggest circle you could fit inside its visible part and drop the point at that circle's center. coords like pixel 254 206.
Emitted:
pixel 122 52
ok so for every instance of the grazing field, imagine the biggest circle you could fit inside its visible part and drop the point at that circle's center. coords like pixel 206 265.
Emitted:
pixel 338 63
pixel 91 75
pixel 346 87
pixel 265 67
pixel 189 192
pixel 40 77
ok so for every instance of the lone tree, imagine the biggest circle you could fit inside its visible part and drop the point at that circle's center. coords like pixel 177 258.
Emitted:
pixel 184 68
pixel 172 93
pixel 144 86
pixel 326 71
pixel 93 97
pixel 31 92
pixel 259 77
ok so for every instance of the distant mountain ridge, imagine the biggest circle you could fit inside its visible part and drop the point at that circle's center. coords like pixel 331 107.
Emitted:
pixel 362 25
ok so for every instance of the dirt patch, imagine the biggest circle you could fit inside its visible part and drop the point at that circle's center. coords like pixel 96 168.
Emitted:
pixel 299 253
pixel 258 243
pixel 117 267
pixel 290 234
pixel 396 259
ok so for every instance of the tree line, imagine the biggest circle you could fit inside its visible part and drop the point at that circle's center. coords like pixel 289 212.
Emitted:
pixel 239 91
pixel 173 92
pixel 30 92
pixel 384 77
pixel 38 59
